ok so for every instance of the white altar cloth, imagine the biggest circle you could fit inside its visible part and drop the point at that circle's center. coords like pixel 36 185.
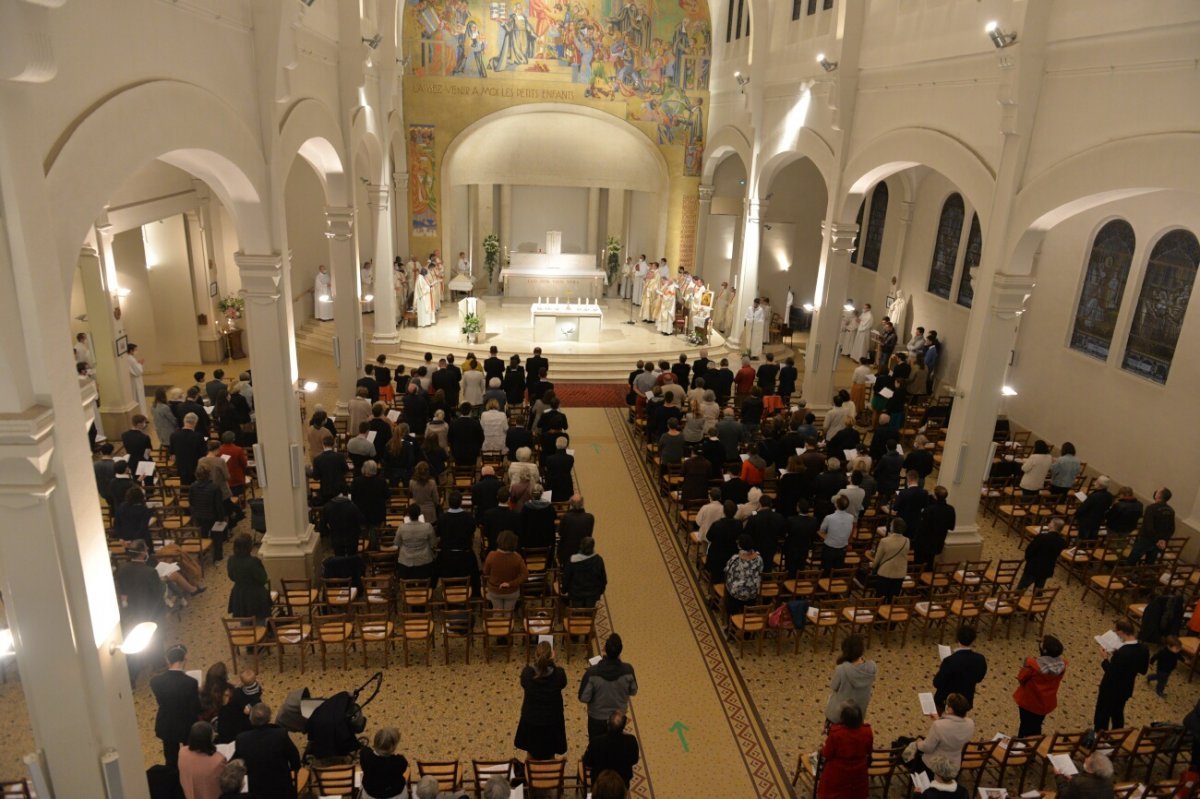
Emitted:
pixel 541 275
pixel 566 321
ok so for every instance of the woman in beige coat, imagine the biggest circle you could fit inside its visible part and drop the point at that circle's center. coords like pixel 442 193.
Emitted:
pixel 890 563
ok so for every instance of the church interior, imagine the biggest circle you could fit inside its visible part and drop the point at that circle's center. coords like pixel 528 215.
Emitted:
pixel 267 199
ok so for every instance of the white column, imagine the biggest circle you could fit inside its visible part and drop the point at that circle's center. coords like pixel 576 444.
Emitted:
pixel 593 226
pixel 385 288
pixel 706 196
pixel 403 223
pixel 833 281
pixel 747 271
pixel 112 378
pixel 965 458
pixel 288 544
pixel 343 266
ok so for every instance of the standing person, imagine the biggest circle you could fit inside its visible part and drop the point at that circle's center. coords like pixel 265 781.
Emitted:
pixel 207 507
pixel 1035 468
pixel 493 366
pixel 1158 525
pixel 1092 512
pixel 1037 694
pixel 950 731
pixel 743 576
pixel 136 367
pixel 200 764
pixel 1064 470
pixel 178 697
pixel 504 571
pixel 250 596
pixel 165 421
pixel 961 671
pixel 515 381
pixel 234 716
pixel 188 446
pixel 607 686
pixel 937 520
pixel 1041 556
pixel 423 490
pixel 615 752
pixel 1121 669
pixel 846 752
pixel 270 756
pixel 890 561
pixel 853 680
pixel 342 523
pixel 933 353
pixel 542 730
pixel 574 525
pixel 1165 660
pixel 836 529
pixel 415 542
pixel 383 768
pixel 787 379
pixel 584 579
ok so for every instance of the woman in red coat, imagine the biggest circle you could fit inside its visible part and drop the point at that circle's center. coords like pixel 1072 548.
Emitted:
pixel 1039 679
pixel 847 753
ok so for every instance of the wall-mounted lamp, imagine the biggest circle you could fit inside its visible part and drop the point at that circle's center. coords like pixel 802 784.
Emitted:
pixel 999 38
pixel 122 292
pixel 826 64
pixel 374 41
pixel 137 640
pixel 742 81
pixel 309 385
pixel 308 2
pixel 808 307
pixel 1008 391
pixel 368 297
pixel 6 643
pixel 849 306
pixel 324 298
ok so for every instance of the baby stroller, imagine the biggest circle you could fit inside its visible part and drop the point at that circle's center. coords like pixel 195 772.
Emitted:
pixel 332 725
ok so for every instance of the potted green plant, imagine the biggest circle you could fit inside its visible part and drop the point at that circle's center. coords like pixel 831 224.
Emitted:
pixel 612 260
pixel 471 326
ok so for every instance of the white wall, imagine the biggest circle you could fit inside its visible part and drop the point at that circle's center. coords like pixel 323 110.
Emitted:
pixel 169 273
pixel 718 248
pixel 304 204
pixel 137 310
pixel 790 252
pixel 643 226
pixel 536 209
pixel 1065 395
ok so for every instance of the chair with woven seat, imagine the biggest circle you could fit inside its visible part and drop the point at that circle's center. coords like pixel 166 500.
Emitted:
pixel 972 573
pixel 1015 756
pixel 497 624
pixel 1001 607
pixel 976 757
pixel 825 618
pixel 1036 607
pixel 244 631
pixel 415 628
pixel 484 770
pixel 458 623
pixel 1059 743
pixel 537 621
pixel 1110 585
pixel 942 575
pixel 16 789
pixel 896 614
pixel 379 594
pixel 333 630
pixel 968 607
pixel 546 777
pixel 298 597
pixel 932 610
pixel 414 595
pixel 751 621
pixel 579 623
pixel 859 615
pixel 883 768
pixel 1003 573
pixel 446 772
pixel 375 628
pixel 1146 747
pixel 290 631
pixel 837 583
pixel 456 591
pixel 804 585
pixel 335 781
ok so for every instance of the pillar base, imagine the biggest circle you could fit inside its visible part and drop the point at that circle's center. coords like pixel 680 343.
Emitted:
pixel 211 351
pixel 291 560
pixel 963 543
pixel 386 338
pixel 116 420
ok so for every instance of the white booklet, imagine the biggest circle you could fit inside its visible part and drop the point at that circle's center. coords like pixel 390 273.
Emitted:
pixel 1079 495
pixel 393 416
pixel 371 436
pixel 1064 765
pixel 920 781
pixel 1110 641
pixel 928 708
pixel 850 454
pixel 886 393
pixel 943 651
pixel 145 469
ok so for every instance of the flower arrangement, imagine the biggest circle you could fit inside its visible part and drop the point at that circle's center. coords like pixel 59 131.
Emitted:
pixel 471 323
pixel 613 259
pixel 491 253
pixel 232 306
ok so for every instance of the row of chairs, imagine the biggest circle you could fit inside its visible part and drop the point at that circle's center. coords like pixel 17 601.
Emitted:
pixel 548 778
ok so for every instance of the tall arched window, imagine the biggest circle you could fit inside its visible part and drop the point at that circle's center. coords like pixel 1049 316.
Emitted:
pixel 966 291
pixel 945 246
pixel 1103 289
pixel 858 222
pixel 1162 305
pixel 873 242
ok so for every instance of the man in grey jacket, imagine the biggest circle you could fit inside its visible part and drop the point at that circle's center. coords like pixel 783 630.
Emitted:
pixel 607 686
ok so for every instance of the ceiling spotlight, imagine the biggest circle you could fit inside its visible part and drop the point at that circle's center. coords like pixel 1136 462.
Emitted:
pixel 999 38
pixel 1008 391
pixel 742 80
pixel 374 41
pixel 137 640
pixel 826 64
pixel 309 385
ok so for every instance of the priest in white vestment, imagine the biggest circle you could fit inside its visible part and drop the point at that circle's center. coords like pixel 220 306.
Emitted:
pixel 649 291
pixel 862 333
pixel 423 300
pixel 666 310
pixel 83 353
pixel 627 278
pixel 366 281
pixel 323 295
pixel 639 280
pixel 752 335
pixel 136 367
pixel 723 313
pixel 848 329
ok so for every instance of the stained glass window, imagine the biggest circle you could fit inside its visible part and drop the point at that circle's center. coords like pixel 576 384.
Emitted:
pixel 945 246
pixel 797 7
pixel 966 291
pixel 873 242
pixel 1161 305
pixel 740 13
pixel 858 221
pixel 729 23
pixel 1103 289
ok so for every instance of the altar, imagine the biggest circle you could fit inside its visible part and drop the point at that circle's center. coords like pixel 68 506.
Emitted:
pixel 563 321
pixel 552 273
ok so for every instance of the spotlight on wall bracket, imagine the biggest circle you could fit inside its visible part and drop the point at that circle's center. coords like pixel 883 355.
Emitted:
pixel 999 38
pixel 308 2
pixel 768 227
pixel 374 41
pixel 742 81
pixel 826 64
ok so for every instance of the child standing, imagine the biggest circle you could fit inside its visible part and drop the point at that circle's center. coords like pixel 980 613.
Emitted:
pixel 1165 661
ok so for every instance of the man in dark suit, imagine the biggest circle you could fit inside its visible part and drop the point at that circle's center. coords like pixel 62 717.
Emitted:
pixel 1093 511
pixel 465 436
pixel 768 374
pixel 961 671
pixel 558 471
pixel 330 469
pixel 1041 556
pixel 768 528
pixel 1121 670
pixel 119 485
pixel 369 383
pixel 497 519
pixel 193 405
pixel 178 698
pixel 453 381
pixel 534 365
pixel 515 438
pixel 682 371
pixel 188 445
pixel 270 756
pixel 383 429
pixel 416 409
pixel 937 520
pixel 700 369
pixel 720 381
pixel 483 493
pixel 613 751
pixel 136 442
pixel 573 526
pixel 216 387
pixel 493 366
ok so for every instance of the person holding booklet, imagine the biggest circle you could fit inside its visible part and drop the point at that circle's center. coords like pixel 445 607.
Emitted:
pixel 944 784
pixel 948 734
pixel 1124 659
pixel 1094 782
pixel 961 671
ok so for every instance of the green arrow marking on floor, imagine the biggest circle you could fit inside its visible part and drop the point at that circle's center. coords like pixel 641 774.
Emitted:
pixel 596 447
pixel 678 728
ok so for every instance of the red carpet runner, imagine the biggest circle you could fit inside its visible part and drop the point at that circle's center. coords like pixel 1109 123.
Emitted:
pixel 592 395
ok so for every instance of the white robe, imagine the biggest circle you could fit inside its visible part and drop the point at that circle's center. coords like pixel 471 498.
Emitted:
pixel 723 315
pixel 367 279
pixel 752 340
pixel 423 302
pixel 862 335
pixel 846 335
pixel 666 311
pixel 322 308
pixel 649 289
pixel 136 384
pixel 639 281
pixel 83 354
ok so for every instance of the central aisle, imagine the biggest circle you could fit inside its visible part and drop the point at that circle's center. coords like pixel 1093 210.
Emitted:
pixel 682 667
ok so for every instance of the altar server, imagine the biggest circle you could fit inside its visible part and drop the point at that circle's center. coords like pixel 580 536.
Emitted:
pixel 323 295
pixel 423 300
pixel 752 337
pixel 136 367
pixel 862 333
pixel 666 310
pixel 639 280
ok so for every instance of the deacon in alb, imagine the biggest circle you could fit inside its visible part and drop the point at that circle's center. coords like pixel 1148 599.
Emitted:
pixel 423 300
pixel 752 337
pixel 666 311
pixel 322 295
pixel 862 333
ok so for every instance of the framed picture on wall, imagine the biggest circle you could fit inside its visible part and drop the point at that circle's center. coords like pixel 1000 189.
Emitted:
pixel 122 345
pixel 212 289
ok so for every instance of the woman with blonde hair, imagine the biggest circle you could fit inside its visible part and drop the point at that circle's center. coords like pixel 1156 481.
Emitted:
pixel 542 731
pixel 383 769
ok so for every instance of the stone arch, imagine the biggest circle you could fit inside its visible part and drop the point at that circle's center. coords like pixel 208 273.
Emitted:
pixel 726 142
pixel 808 145
pixel 311 131
pixel 181 124
pixel 904 148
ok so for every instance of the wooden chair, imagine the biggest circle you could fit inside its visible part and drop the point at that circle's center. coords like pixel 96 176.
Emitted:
pixel 883 768
pixel 751 621
pixel 1036 607
pixel 298 597
pixel 825 618
pixel 484 770
pixel 538 621
pixel 1110 586
pixel 579 623
pixel 290 631
pixel 335 781
pixel 414 595
pixel 858 616
pixel 375 628
pixel 971 573
pixel 446 772
pixel 334 630
pixel 897 614
pixel 941 577
pixel 456 591
pixel 458 623
pixel 968 607
pixel 838 583
pixel 932 611
pixel 976 756
pixel 415 627
pixel 546 777
pixel 1146 747
pixel 1001 607
pixel 1017 756
pixel 244 631
pixel 191 542
pixel 379 594
pixel 1059 743
pixel 497 624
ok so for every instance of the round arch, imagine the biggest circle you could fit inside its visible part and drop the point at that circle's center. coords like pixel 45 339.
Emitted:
pixel 364 135
pixel 310 131
pixel 721 145
pixel 808 145
pixel 905 148
pixel 181 124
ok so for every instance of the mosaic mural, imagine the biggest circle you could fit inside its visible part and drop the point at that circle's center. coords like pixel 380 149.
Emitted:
pixel 422 182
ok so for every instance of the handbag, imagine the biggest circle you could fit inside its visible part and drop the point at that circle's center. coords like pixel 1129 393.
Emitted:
pixel 776 617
